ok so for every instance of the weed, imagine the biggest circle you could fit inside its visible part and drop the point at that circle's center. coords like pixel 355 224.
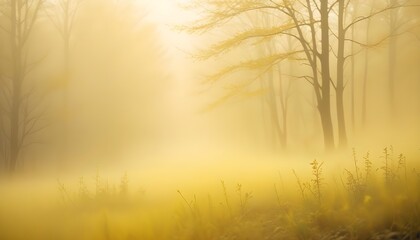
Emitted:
pixel 104 193
pixel 65 196
pixel 124 185
pixel 379 209
pixel 301 185
pixel 402 164
pixel 392 173
pixel 226 197
pixel 314 185
pixel 357 179
pixel 192 205
pixel 357 183
pixel 243 197
pixel 389 173
pixel 277 195
pixel 83 191
pixel 368 166
pixel 316 180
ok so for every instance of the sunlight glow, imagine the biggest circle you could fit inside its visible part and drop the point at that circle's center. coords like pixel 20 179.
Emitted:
pixel 223 119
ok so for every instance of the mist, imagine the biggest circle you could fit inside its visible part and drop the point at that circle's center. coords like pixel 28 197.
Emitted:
pixel 202 119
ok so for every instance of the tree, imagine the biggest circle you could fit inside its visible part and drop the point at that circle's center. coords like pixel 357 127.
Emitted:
pixel 277 90
pixel 308 22
pixel 22 120
pixel 365 75
pixel 294 25
pixel 62 14
pixel 325 110
pixel 393 21
pixel 391 8
pixel 342 39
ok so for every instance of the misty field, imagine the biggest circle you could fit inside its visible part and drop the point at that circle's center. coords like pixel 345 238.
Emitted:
pixel 369 196
pixel 209 119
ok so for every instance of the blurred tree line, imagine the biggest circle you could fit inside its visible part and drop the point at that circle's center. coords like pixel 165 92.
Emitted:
pixel 76 77
pixel 328 68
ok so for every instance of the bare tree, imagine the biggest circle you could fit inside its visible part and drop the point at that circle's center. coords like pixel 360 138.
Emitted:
pixel 392 9
pixel 291 22
pixel 343 28
pixel 278 89
pixel 62 14
pixel 365 76
pixel 23 120
pixel 309 23
pixel 393 20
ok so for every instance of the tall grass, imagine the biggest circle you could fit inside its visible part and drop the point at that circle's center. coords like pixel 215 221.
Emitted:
pixel 379 199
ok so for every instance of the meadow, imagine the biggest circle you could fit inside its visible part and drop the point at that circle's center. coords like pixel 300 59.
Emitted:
pixel 366 196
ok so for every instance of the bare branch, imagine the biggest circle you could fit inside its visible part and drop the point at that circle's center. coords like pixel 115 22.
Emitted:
pixel 241 37
pixel 224 15
pixel 373 14
pixel 253 64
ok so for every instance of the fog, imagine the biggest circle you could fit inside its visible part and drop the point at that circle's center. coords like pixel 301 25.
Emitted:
pixel 203 118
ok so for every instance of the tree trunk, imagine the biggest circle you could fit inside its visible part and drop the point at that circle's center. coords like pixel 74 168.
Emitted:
pixel 274 109
pixel 392 59
pixel 16 87
pixel 65 130
pixel 327 128
pixel 365 79
pixel 340 78
pixel 283 107
pixel 342 133
pixel 325 106
pixel 14 124
pixel 353 70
